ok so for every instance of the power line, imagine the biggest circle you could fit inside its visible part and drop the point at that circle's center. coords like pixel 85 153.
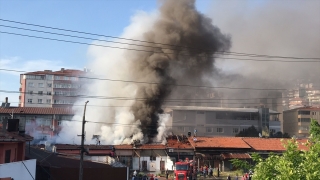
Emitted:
pixel 142 99
pixel 160 52
pixel 27 170
pixel 181 85
pixel 87 33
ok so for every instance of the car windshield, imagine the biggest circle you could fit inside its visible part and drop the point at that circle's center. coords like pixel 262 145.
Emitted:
pixel 181 167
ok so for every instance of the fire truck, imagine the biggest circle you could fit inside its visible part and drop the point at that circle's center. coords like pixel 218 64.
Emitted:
pixel 184 169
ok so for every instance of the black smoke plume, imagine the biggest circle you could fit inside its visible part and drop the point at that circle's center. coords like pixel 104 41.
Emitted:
pixel 195 41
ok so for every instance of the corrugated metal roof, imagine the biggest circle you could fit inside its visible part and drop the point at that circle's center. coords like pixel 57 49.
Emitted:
pixel 200 108
pixel 37 110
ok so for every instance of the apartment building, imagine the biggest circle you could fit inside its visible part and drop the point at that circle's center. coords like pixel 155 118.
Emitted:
pixel 296 122
pixel 216 121
pixel 51 88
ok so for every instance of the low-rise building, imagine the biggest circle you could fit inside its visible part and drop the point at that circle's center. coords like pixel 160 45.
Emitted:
pixel 296 122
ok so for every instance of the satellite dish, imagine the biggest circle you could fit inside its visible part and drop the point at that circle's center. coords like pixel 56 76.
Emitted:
pixel 260 135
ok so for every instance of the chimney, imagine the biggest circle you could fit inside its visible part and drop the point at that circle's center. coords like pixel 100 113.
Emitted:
pixel 62 69
pixel 6 100
pixel 4 124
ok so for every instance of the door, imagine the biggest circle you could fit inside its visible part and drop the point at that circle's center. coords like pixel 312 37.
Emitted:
pixel 144 166
pixel 162 166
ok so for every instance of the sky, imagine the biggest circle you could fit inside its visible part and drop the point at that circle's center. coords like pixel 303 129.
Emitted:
pixel 111 17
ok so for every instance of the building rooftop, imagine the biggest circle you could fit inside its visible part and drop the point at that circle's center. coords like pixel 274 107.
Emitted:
pixel 61 72
pixel 13 137
pixel 271 144
pixel 306 108
pixel 37 110
pixel 219 142
pixel 175 144
pixel 201 108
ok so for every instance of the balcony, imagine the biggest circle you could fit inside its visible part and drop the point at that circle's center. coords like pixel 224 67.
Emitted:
pixel 20 89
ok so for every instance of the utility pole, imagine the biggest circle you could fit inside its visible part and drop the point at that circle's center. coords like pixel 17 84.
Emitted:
pixel 82 150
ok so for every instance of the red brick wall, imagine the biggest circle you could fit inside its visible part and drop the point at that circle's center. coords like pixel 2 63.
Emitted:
pixel 17 151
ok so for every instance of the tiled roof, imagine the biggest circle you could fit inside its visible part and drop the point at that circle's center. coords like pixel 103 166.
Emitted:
pixel 235 156
pixel 175 144
pixel 219 142
pixel 143 146
pixel 13 137
pixel 265 144
pixel 91 147
pixel 37 110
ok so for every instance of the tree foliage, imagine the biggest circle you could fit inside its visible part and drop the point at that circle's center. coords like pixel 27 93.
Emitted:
pixel 249 132
pixel 314 129
pixel 293 164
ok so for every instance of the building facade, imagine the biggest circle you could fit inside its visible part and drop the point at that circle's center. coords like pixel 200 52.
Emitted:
pixel 296 122
pixel 215 121
pixel 51 88
pixel 40 123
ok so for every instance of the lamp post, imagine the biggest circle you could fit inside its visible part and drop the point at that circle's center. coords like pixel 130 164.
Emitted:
pixel 82 142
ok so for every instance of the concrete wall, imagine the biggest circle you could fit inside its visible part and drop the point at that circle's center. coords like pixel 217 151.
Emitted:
pixel 18 171
pixel 156 163
pixel 207 124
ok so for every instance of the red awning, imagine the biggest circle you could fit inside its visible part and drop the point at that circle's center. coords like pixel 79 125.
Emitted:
pixel 235 156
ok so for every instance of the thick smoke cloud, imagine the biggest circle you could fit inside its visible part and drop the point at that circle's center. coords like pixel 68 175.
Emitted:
pixel 127 111
pixel 195 40
pixel 287 28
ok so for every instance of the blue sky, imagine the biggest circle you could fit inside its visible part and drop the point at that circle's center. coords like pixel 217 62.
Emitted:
pixel 107 17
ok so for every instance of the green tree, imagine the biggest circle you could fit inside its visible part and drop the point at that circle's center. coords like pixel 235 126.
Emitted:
pixel 249 132
pixel 293 164
pixel 314 129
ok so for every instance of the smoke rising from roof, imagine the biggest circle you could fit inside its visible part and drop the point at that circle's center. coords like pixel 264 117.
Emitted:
pixel 177 23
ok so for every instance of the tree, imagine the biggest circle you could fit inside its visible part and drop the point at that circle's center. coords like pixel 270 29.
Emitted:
pixel 314 129
pixel 279 134
pixel 249 132
pixel 293 164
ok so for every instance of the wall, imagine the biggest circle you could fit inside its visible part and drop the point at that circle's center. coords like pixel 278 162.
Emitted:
pixel 185 121
pixel 17 151
pixel 18 171
pixel 290 122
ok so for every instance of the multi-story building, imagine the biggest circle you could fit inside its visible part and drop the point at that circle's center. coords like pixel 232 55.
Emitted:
pixel 216 121
pixel 296 122
pixel 51 88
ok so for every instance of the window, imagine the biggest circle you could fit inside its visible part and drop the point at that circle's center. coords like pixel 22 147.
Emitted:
pixel 30 92
pixel 30 101
pixel 200 112
pixel 48 101
pixel 57 77
pixel 7 156
pixel 235 130
pixel 49 77
pixel 208 129
pixel 304 112
pixel 305 120
pixel 220 130
pixel 59 123
pixel 40 101
pixel 40 85
pixel 66 78
pixel 49 93
pixel 28 121
pixel 272 131
pixel 48 122
pixel 180 128
pixel 49 85
pixel 314 113
pixel 40 92
pixel 30 84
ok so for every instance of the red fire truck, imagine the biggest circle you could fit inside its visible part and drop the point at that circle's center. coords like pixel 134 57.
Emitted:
pixel 184 169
